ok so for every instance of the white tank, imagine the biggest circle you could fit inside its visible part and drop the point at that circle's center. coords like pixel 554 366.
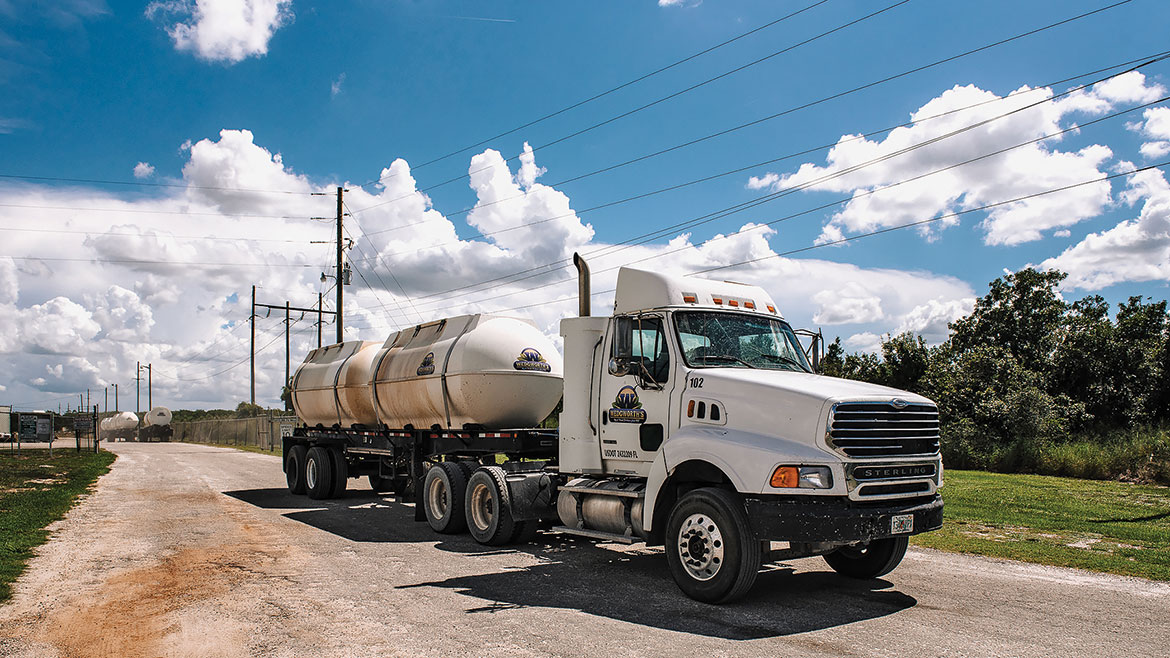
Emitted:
pixel 160 416
pixel 490 371
pixel 121 421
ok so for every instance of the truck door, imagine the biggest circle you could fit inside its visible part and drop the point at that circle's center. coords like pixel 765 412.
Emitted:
pixel 635 405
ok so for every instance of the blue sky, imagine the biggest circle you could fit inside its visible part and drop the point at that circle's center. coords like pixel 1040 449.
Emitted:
pixel 299 96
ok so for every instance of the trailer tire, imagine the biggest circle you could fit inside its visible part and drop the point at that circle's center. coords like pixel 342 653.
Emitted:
pixel 294 469
pixel 444 493
pixel 318 473
pixel 340 472
pixel 489 508
pixel 874 560
pixel 710 547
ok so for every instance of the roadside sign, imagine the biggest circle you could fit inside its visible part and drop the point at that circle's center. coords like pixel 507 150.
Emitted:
pixel 286 430
pixel 84 424
pixel 44 429
pixel 28 428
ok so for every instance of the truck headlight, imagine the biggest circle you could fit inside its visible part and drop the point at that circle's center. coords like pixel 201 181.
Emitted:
pixel 804 477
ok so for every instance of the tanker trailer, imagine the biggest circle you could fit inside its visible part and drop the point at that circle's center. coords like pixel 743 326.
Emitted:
pixel 122 425
pixel 454 379
pixel 157 425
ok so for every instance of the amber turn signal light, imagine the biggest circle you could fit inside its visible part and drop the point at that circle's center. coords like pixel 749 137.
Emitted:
pixel 785 477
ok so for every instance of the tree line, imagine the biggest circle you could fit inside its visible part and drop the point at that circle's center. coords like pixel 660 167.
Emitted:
pixel 1031 382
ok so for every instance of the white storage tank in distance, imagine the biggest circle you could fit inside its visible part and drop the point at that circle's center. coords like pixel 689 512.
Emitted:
pixel 479 370
pixel 160 416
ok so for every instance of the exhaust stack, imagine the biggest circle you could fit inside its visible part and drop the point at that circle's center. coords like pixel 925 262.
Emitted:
pixel 582 285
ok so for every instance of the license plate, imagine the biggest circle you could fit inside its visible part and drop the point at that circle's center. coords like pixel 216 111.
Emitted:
pixel 902 524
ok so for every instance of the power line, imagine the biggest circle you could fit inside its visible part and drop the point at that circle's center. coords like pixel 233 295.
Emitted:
pixel 144 211
pixel 867 135
pixel 859 236
pixel 646 237
pixel 672 95
pixel 145 235
pixel 131 261
pixel 95 181
pixel 792 109
pixel 617 88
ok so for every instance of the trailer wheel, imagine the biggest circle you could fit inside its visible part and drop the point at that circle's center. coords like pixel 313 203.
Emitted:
pixel 872 560
pixel 710 547
pixel 294 469
pixel 444 491
pixel 318 473
pixel 489 509
pixel 340 472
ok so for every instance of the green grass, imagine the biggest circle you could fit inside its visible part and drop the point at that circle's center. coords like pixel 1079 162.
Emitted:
pixel 1112 527
pixel 36 490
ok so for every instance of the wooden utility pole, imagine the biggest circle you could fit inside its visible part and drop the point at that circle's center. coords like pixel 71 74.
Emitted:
pixel 252 351
pixel 340 272
pixel 320 304
pixel 286 349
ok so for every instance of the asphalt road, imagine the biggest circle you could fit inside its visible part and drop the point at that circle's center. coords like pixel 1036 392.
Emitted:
pixel 188 550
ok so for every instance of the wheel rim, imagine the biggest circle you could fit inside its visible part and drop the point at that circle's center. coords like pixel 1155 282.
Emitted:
pixel 311 474
pixel 481 506
pixel 437 498
pixel 700 547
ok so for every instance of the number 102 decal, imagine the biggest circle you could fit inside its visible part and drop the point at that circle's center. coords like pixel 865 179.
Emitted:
pixel 696 382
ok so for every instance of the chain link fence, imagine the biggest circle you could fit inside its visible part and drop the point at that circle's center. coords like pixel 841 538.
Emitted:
pixel 262 432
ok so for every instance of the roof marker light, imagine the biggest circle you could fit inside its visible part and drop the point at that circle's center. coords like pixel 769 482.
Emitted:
pixel 717 300
pixel 733 302
pixel 771 309
pixel 747 303
pixel 690 297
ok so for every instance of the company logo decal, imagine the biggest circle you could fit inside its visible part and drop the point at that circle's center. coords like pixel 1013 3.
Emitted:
pixel 898 403
pixel 427 367
pixel 626 407
pixel 531 359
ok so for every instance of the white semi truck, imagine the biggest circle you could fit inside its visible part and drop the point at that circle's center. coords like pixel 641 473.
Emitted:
pixel 692 419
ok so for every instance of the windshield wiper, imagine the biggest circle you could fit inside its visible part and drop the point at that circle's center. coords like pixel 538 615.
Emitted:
pixel 785 359
pixel 724 357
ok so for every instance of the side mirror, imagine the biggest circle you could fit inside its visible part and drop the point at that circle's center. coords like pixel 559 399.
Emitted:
pixel 619 367
pixel 623 338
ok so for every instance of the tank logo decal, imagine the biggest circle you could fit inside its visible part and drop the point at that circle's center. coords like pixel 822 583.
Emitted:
pixel 427 367
pixel 531 359
pixel 626 407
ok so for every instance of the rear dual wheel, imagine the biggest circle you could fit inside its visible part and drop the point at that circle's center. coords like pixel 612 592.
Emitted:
pixel 325 471
pixel 444 494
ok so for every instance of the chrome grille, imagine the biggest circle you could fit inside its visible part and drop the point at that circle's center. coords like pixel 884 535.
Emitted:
pixel 879 429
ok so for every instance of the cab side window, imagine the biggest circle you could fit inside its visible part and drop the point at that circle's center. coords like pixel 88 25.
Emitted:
pixel 649 347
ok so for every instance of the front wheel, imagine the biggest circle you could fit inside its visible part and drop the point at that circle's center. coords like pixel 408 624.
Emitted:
pixel 710 547
pixel 872 560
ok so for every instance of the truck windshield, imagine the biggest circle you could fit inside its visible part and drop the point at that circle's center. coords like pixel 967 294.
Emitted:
pixel 738 340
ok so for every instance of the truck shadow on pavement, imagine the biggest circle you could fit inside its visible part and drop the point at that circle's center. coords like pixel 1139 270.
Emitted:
pixel 629 584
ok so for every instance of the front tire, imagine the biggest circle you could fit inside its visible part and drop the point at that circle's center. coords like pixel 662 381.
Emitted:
pixel 488 507
pixel 444 491
pixel 294 469
pixel 873 560
pixel 710 547
pixel 318 473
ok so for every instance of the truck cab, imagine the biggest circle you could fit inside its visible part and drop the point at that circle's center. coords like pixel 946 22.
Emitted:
pixel 697 395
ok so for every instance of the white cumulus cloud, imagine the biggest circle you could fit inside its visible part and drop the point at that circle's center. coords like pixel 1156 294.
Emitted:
pixel 1136 249
pixel 223 30
pixel 143 170
pixel 892 186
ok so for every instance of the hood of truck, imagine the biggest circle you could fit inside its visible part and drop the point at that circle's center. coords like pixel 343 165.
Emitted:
pixel 789 405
